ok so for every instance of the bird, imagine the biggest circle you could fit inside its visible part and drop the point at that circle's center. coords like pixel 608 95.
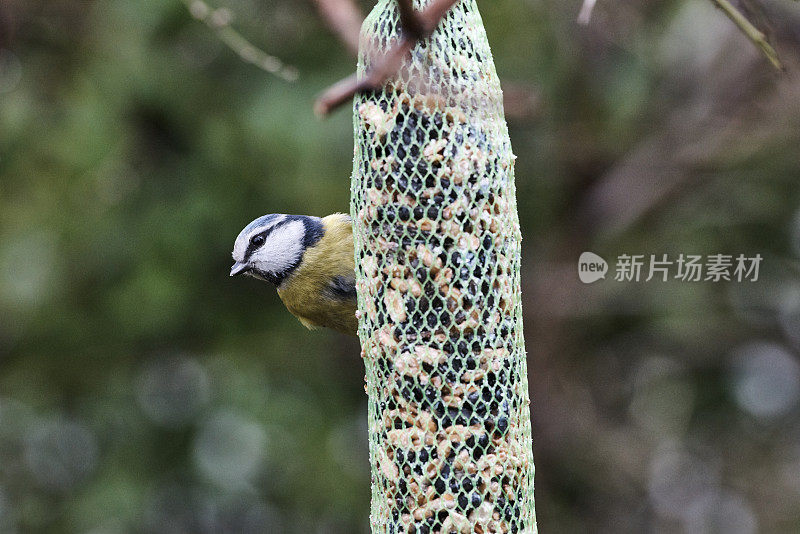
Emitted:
pixel 311 262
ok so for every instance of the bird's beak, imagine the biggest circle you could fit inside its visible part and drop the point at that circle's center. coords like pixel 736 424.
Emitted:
pixel 238 268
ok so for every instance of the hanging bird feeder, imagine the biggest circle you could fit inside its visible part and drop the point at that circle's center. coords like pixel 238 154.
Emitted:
pixel 438 277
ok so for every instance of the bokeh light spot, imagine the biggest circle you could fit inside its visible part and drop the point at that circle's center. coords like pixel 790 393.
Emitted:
pixel 677 478
pixel 229 450
pixel 10 71
pixel 171 391
pixel 60 454
pixel 766 379
pixel 717 512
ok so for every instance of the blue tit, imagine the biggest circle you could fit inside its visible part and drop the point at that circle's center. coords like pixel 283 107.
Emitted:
pixel 311 262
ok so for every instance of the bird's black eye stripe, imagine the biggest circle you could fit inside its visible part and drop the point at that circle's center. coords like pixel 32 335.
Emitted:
pixel 256 241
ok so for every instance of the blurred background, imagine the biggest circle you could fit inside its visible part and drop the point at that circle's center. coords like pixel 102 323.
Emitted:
pixel 143 390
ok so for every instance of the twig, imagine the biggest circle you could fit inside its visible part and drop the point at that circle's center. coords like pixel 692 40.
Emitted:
pixel 219 20
pixel 344 90
pixel 434 13
pixel 750 31
pixel 585 15
pixel 6 27
pixel 412 26
pixel 344 18
pixel 424 23
pixel 521 102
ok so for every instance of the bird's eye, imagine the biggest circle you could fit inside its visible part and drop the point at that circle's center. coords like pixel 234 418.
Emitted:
pixel 257 240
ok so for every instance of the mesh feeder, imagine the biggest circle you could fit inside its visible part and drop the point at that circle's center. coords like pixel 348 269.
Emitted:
pixel 437 267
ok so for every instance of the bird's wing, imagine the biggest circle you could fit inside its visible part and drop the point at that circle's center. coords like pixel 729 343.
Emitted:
pixel 341 288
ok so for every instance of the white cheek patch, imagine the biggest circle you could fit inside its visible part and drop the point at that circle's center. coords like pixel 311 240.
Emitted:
pixel 282 250
pixel 243 240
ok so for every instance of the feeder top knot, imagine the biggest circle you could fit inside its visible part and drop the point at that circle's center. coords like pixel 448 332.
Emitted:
pixel 451 70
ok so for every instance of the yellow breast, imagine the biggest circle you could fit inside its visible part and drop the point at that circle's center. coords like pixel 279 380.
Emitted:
pixel 314 293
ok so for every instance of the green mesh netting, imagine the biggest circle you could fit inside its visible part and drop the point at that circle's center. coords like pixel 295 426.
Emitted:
pixel 437 266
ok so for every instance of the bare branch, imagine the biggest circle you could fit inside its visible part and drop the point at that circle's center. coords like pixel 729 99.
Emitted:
pixel 585 15
pixel 409 21
pixel 6 27
pixel 387 66
pixel 521 102
pixel 750 31
pixel 219 20
pixel 344 90
pixel 344 18
pixel 434 13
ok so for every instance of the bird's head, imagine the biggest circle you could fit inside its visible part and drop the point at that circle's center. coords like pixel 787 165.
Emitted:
pixel 272 246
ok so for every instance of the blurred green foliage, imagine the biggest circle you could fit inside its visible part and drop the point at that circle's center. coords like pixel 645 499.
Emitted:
pixel 142 390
